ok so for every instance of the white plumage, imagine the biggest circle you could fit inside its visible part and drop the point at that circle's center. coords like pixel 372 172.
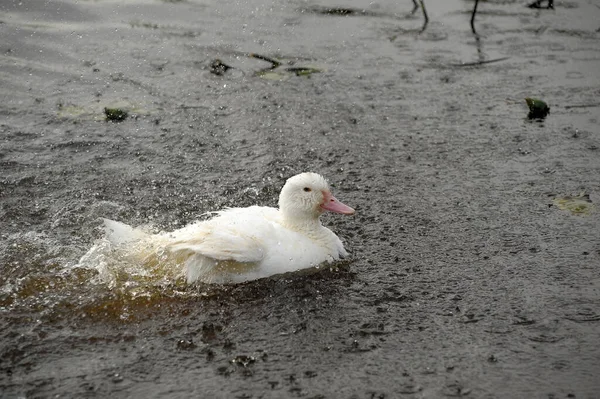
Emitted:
pixel 241 244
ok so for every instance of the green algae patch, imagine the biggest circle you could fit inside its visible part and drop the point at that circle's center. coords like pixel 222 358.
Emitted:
pixel 72 111
pixel 577 205
pixel 115 114
pixel 118 107
pixel 218 67
pixel 112 110
pixel 272 75
pixel 538 109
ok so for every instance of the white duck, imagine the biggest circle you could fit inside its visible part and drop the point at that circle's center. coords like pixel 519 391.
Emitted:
pixel 242 244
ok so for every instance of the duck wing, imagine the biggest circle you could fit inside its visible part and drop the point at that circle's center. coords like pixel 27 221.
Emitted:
pixel 238 234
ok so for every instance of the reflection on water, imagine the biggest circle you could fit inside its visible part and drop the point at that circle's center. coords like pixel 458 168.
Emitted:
pixel 50 287
pixel 108 284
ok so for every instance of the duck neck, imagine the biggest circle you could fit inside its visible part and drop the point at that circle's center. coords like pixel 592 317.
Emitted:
pixel 308 226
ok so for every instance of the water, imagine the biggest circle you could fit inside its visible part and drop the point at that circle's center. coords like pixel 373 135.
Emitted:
pixel 465 279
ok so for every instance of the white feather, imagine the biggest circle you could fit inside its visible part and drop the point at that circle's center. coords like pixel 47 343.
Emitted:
pixel 241 244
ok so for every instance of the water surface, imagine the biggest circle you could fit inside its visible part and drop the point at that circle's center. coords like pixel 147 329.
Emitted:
pixel 465 278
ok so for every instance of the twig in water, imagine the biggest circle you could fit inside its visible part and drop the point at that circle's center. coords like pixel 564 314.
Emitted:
pixel 480 62
pixel 415 7
pixel 473 17
pixel 424 15
pixel 274 63
pixel 479 47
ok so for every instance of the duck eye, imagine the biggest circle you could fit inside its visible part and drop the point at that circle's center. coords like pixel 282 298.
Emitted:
pixel 307 189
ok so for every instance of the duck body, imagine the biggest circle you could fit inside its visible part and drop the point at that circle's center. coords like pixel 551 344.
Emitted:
pixel 241 244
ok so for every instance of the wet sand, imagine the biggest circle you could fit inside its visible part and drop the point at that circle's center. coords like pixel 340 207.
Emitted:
pixel 466 277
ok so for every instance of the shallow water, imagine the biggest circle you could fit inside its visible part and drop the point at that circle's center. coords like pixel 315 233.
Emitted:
pixel 465 277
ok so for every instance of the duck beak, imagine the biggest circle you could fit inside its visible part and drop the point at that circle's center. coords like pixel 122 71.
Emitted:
pixel 330 203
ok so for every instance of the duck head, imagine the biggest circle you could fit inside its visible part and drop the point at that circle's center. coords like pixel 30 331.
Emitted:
pixel 306 196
